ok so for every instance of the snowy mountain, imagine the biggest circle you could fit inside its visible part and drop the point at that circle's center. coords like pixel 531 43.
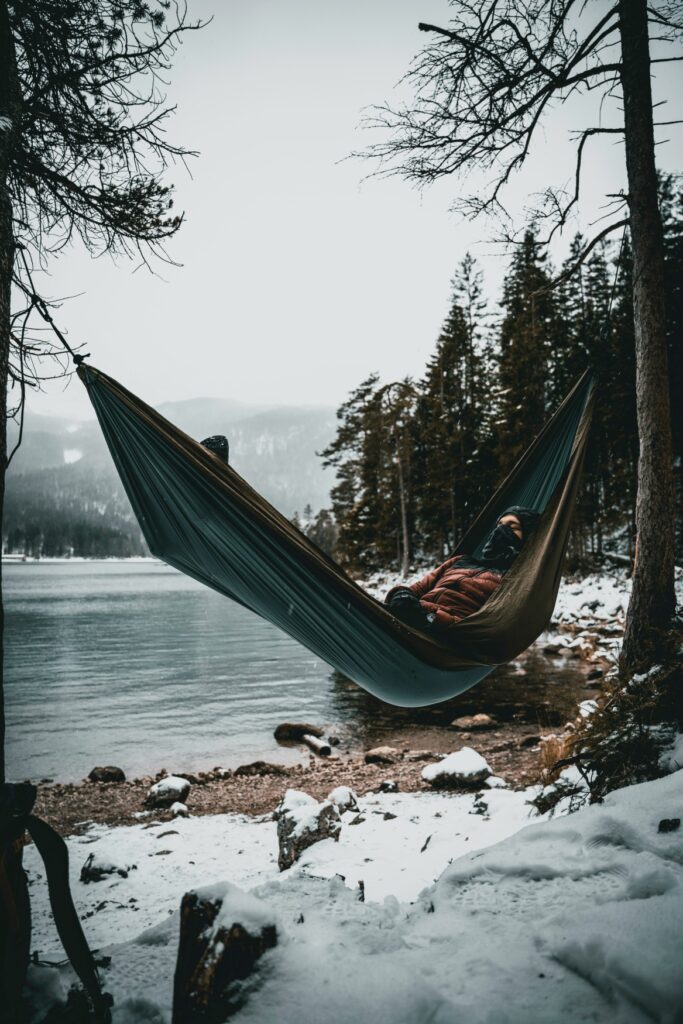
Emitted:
pixel 62 478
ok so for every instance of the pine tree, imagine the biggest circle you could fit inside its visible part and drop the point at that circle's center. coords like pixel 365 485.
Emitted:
pixel 355 455
pixel 526 346
pixel 452 419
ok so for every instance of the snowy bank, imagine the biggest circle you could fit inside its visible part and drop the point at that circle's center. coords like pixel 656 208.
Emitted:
pixel 576 918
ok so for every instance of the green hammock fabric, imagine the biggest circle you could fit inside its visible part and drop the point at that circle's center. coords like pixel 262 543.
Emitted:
pixel 200 516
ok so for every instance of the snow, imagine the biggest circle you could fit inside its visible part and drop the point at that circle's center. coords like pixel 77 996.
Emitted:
pixel 72 455
pixel 237 907
pixel 465 762
pixel 344 798
pixel 671 758
pixel 577 918
pixel 471 913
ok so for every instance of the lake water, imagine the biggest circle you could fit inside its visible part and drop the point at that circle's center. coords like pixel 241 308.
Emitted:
pixel 136 665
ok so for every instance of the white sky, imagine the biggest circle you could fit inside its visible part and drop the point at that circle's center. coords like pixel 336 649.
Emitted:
pixel 297 279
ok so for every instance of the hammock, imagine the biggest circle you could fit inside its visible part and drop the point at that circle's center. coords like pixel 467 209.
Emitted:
pixel 199 516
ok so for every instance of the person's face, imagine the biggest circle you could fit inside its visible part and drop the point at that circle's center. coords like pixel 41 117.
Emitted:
pixel 513 522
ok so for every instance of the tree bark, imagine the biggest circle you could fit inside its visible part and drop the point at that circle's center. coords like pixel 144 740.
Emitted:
pixel 10 108
pixel 405 533
pixel 653 601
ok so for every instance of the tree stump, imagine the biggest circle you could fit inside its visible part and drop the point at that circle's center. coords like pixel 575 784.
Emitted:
pixel 223 933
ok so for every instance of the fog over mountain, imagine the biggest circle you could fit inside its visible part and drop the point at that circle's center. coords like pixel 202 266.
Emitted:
pixel 63 492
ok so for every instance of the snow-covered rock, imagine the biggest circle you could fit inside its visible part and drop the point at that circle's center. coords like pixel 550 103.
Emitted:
pixel 169 790
pixel 179 810
pixel 344 798
pixel 465 769
pixel 99 866
pixel 301 822
pixel 223 933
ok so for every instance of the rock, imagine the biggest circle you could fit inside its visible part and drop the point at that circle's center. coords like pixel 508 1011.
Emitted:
pixel 669 825
pixel 388 816
pixel 388 786
pixel 179 810
pixel 382 755
pixel 344 798
pixel 466 769
pixel 358 820
pixel 261 768
pixel 419 755
pixel 223 933
pixel 109 773
pixel 98 866
pixel 294 732
pixel 302 822
pixel 495 782
pixel 168 791
pixel 480 721
pixel 529 741
pixel 595 673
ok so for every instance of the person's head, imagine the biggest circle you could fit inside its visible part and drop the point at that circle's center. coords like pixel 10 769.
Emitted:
pixel 515 524
pixel 505 541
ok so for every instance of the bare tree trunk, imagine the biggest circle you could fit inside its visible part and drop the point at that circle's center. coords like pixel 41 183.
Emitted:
pixel 653 599
pixel 405 534
pixel 10 105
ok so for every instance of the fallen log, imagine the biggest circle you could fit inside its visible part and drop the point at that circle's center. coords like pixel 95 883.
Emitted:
pixel 317 745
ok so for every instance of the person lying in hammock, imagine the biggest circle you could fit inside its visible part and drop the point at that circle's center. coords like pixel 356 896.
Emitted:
pixel 462 584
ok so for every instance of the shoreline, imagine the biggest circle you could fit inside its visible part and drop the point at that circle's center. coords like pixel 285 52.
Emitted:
pixel 513 750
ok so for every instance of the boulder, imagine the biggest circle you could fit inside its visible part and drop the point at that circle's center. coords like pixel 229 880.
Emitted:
pixel 302 822
pixel 261 768
pixel 344 798
pixel 98 867
pixel 419 755
pixel 466 769
pixel 480 721
pixel 382 755
pixel 108 773
pixel 179 810
pixel 223 934
pixel 388 786
pixel 529 741
pixel 169 790
pixel 294 732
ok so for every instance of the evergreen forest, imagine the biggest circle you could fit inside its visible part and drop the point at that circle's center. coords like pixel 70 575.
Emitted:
pixel 416 459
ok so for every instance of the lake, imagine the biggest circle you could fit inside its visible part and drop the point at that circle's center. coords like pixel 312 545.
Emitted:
pixel 133 664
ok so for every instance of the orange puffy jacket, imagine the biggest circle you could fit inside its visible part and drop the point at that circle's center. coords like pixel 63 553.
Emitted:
pixel 451 593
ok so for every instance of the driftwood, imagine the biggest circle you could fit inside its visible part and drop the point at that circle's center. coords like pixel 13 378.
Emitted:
pixel 212 960
pixel 317 745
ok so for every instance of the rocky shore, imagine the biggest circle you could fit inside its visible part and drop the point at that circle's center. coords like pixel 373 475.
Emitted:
pixel 513 751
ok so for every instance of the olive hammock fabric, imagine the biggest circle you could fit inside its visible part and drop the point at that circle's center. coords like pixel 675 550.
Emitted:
pixel 200 516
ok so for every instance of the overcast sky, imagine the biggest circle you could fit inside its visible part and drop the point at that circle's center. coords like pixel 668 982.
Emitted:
pixel 297 278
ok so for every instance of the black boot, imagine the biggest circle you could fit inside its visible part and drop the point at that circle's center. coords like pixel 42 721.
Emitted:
pixel 218 444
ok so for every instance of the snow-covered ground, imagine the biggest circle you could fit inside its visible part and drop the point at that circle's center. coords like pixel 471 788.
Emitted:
pixel 471 913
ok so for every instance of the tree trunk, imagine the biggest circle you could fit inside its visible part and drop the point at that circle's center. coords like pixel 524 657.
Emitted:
pixel 10 106
pixel 405 533
pixel 653 600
